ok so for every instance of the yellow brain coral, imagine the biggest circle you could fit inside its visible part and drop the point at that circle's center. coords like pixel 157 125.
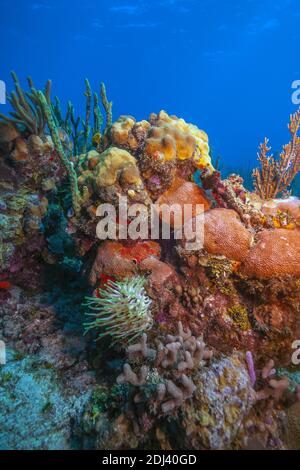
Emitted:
pixel 126 132
pixel 114 161
pixel 172 138
pixel 162 139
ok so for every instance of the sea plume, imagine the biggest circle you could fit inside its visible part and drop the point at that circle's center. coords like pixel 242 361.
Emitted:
pixel 274 177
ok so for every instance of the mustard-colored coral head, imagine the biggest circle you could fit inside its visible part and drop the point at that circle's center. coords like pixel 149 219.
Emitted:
pixel 112 162
pixel 163 138
pixel 126 132
pixel 172 138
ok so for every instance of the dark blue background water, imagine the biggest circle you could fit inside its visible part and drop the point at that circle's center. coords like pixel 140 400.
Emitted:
pixel 225 65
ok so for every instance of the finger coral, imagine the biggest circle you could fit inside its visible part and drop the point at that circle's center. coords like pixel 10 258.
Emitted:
pixel 176 356
pixel 272 387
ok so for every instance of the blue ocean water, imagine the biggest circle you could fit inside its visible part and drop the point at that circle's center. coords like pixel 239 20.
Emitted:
pixel 227 66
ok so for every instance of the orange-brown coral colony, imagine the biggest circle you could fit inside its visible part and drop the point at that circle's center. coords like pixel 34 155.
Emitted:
pixel 275 254
pixel 182 193
pixel 224 234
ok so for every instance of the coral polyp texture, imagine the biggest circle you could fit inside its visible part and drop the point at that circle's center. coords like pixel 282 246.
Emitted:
pixel 145 341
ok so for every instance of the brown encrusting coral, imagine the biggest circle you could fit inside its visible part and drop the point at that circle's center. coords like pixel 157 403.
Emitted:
pixel 189 335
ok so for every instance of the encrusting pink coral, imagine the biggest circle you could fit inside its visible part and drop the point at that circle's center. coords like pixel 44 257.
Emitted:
pixel 224 234
pixel 179 195
pixel 117 259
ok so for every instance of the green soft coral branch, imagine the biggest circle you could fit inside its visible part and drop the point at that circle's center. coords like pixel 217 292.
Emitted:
pixel 30 122
pixel 26 107
pixel 98 119
pixel 57 112
pixel 75 123
pixel 28 115
pixel 47 110
pixel 86 126
pixel 107 105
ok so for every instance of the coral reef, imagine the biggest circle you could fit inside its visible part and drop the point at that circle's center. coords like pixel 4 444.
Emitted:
pixel 180 343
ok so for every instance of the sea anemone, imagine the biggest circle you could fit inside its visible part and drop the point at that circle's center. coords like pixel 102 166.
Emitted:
pixel 121 310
